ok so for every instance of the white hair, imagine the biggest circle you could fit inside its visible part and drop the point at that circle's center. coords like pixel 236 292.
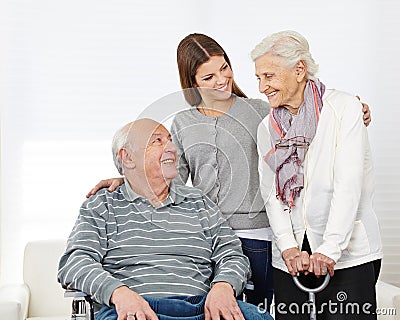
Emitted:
pixel 120 141
pixel 289 45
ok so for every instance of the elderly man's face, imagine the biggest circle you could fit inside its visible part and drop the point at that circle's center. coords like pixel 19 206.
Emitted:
pixel 155 153
pixel 278 82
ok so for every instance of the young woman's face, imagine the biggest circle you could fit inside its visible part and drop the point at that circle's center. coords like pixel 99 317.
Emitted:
pixel 214 78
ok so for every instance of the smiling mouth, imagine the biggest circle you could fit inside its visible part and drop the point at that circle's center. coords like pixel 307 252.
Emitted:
pixel 224 88
pixel 271 94
pixel 167 161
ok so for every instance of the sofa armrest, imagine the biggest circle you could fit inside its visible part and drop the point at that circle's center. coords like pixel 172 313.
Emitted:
pixel 14 301
pixel 388 299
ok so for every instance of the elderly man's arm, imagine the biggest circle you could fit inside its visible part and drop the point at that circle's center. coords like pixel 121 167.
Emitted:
pixel 128 302
pixel 231 268
pixel 221 303
pixel 230 264
pixel 80 267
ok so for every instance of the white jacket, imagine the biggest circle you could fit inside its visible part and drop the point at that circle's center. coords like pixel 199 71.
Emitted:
pixel 335 205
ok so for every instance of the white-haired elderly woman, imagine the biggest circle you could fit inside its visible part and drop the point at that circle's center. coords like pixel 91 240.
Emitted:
pixel 317 182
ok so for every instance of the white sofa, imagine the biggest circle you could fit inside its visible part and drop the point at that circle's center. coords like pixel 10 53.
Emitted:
pixel 388 297
pixel 42 298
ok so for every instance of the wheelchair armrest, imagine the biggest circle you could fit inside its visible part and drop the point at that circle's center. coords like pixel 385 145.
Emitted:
pixel 82 304
pixel 71 293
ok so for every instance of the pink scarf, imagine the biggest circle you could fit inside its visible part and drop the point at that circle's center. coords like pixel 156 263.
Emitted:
pixel 291 137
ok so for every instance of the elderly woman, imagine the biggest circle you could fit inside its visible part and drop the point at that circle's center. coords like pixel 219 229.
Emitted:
pixel 317 183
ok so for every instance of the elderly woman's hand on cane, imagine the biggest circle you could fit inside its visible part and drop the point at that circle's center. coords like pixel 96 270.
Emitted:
pixel 296 261
pixel 320 264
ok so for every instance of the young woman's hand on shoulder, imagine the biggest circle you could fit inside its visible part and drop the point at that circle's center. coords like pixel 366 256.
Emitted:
pixel 111 184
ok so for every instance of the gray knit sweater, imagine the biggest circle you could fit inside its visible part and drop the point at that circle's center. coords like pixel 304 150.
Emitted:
pixel 220 155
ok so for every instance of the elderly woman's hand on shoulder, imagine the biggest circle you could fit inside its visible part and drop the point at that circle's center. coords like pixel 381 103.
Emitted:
pixel 366 111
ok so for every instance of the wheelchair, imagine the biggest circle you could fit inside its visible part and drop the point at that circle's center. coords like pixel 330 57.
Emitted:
pixel 82 304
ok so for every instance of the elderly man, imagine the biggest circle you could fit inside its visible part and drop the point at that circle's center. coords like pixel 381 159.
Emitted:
pixel 138 248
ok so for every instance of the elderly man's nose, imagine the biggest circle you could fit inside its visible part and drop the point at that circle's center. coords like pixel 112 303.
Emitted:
pixel 263 86
pixel 170 147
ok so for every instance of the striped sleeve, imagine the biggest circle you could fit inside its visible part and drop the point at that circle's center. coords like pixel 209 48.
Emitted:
pixel 231 265
pixel 80 267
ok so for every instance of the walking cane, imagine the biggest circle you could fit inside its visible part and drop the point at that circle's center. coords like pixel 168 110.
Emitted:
pixel 311 293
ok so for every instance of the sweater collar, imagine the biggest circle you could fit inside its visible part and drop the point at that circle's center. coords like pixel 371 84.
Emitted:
pixel 174 195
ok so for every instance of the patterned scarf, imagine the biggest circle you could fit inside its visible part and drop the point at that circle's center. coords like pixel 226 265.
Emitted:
pixel 290 138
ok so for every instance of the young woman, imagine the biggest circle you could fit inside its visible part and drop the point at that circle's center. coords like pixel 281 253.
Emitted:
pixel 217 148
pixel 216 141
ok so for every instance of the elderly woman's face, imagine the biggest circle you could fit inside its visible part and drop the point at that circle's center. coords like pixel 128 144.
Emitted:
pixel 282 85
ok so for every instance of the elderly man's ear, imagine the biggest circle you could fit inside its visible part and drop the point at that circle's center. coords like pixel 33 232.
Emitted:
pixel 127 158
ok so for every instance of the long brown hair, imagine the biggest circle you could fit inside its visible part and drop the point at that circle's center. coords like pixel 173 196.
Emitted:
pixel 194 50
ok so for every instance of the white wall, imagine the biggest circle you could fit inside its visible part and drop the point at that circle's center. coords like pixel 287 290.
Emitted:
pixel 72 72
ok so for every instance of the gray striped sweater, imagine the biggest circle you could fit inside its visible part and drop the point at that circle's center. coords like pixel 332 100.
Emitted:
pixel 178 248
